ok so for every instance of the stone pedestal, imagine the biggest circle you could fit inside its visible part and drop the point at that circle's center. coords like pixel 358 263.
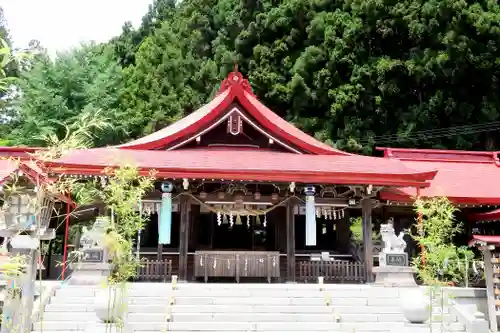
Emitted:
pixel 89 273
pixel 395 276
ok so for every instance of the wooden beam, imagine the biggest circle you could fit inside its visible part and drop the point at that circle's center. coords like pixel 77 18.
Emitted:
pixel 184 238
pixel 212 197
pixel 366 213
pixel 290 242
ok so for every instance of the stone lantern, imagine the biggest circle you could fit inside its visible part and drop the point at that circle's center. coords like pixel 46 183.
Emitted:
pixel 24 222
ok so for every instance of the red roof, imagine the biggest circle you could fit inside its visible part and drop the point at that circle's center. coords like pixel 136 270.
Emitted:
pixel 464 177
pixel 484 240
pixel 29 169
pixel 493 215
pixel 234 89
pixel 7 168
pixel 244 164
pixel 23 153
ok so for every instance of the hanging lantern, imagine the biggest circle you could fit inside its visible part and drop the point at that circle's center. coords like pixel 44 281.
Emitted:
pixel 239 197
pixel 310 216
pixel 165 218
pixel 257 195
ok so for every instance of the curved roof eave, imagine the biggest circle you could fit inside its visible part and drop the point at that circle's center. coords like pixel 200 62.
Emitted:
pixel 234 88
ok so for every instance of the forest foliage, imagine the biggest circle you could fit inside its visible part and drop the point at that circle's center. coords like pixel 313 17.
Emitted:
pixel 352 73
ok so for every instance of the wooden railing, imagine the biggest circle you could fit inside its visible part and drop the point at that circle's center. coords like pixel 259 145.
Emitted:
pixel 237 264
pixel 335 271
pixel 154 270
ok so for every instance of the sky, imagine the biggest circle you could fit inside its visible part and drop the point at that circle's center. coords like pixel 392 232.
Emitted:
pixel 60 25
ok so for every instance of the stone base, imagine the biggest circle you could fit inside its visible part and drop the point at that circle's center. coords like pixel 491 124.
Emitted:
pixel 89 273
pixel 395 276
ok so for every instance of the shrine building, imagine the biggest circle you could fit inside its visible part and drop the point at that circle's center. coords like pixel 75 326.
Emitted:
pixel 252 196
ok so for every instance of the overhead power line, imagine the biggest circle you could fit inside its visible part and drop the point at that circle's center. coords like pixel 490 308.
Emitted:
pixel 436 133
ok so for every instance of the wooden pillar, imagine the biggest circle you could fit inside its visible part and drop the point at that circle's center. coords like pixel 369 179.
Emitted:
pixel 366 212
pixel 183 237
pixel 159 252
pixel 290 241
pixel 343 230
pixel 195 215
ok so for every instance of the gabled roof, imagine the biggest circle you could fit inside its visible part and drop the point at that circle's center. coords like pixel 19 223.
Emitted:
pixel 28 168
pixel 465 177
pixel 234 89
pixel 248 165
pixel 9 167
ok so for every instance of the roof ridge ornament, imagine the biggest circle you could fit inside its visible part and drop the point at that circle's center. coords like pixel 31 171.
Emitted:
pixel 235 79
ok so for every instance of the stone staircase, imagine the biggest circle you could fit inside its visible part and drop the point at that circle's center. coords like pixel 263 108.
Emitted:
pixel 240 308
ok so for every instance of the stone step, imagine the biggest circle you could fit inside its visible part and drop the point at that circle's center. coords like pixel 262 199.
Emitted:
pixel 406 329
pixel 233 286
pixel 234 317
pixel 241 292
pixel 181 300
pixel 399 327
pixel 237 309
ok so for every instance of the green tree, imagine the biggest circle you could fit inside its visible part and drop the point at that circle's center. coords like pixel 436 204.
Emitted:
pixel 126 45
pixel 442 261
pixel 353 73
pixel 55 92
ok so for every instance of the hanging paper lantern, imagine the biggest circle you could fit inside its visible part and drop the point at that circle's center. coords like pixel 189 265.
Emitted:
pixel 310 216
pixel 238 200
pixel 257 195
pixel 165 218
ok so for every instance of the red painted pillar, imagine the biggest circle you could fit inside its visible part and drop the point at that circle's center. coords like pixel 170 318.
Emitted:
pixel 66 235
pixel 420 226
